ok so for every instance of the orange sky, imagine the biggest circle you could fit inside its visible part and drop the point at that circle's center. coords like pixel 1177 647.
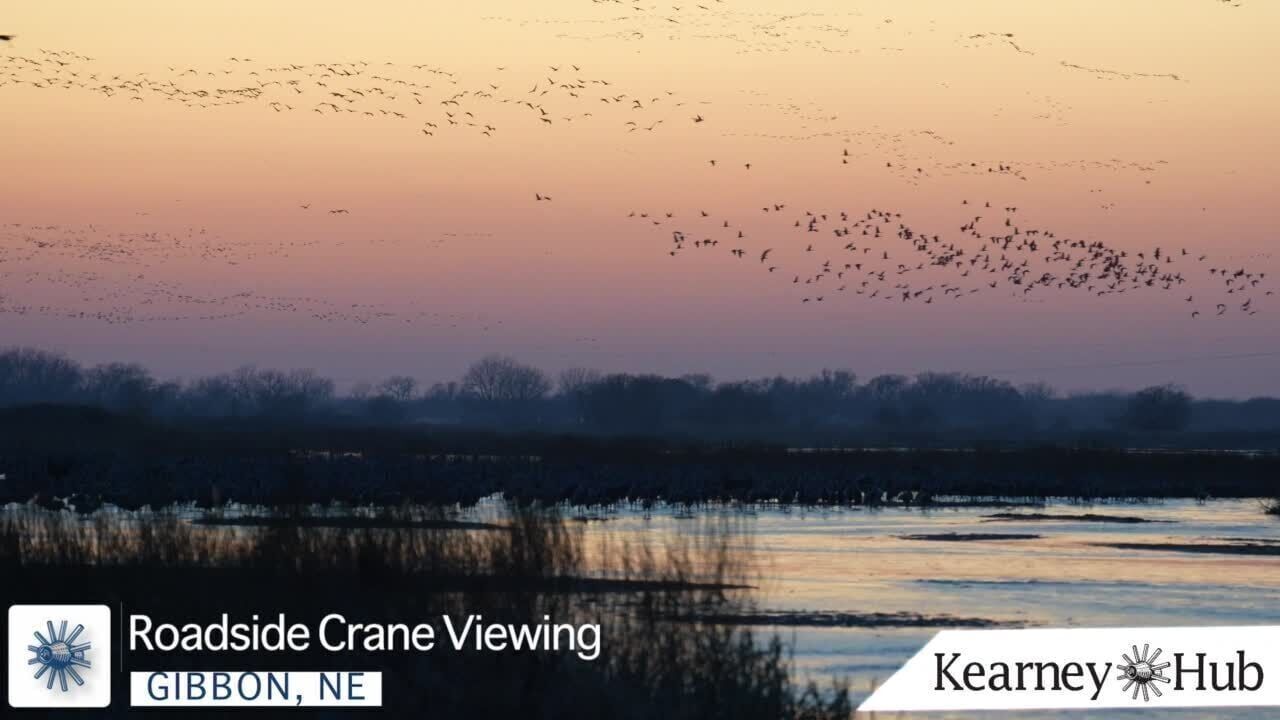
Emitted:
pixel 1139 124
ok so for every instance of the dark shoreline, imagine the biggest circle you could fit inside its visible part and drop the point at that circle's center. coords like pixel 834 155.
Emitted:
pixel 834 619
pixel 94 458
pixel 1067 517
pixel 1256 548
pixel 969 537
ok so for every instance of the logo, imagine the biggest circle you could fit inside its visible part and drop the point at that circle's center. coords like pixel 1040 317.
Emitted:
pixel 68 665
pixel 1141 673
pixel 1061 669
pixel 58 655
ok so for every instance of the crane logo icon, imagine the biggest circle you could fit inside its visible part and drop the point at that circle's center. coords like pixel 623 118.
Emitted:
pixel 58 655
pixel 1142 673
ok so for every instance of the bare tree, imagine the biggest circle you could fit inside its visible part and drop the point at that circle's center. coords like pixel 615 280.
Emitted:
pixel 29 375
pixel 121 386
pixel 498 378
pixel 400 388
pixel 574 380
pixel 1159 408
pixel 574 385
pixel 498 389
pixel 285 394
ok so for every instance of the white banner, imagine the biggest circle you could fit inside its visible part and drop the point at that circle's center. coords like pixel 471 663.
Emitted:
pixel 282 689
pixel 1087 668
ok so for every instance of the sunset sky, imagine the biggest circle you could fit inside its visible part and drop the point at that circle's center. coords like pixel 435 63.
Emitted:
pixel 137 225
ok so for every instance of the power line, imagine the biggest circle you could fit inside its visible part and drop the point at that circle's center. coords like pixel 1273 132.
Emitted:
pixel 1137 363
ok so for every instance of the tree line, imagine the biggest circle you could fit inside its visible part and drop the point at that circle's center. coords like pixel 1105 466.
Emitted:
pixel 500 392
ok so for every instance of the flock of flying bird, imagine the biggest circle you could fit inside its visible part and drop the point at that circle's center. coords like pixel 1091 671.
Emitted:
pixel 872 254
pixel 431 99
pixel 876 255
pixel 112 276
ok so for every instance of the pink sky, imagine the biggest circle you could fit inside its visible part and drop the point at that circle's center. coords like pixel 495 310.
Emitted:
pixel 167 214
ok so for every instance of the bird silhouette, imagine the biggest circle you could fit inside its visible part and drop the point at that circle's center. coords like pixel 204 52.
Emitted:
pixel 1024 259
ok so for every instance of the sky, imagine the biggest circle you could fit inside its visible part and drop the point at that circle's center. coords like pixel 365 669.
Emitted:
pixel 158 157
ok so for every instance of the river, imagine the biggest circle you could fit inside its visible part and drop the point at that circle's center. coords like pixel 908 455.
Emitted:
pixel 860 561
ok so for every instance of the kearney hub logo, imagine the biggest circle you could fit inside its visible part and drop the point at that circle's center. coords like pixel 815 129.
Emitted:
pixel 59 656
pixel 1063 669
pixel 1141 671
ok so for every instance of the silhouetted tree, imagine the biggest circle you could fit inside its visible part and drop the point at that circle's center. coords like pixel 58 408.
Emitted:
pixel 279 394
pixel 499 392
pixel 825 399
pixel 1160 408
pixel 502 379
pixel 398 387
pixel 648 404
pixel 736 407
pixel 28 375
pixel 573 383
pixel 214 396
pixel 499 388
pixel 126 387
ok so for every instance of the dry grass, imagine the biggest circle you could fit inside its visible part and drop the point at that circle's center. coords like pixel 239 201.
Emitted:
pixel 536 565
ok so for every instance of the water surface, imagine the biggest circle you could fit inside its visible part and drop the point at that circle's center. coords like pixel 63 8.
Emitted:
pixel 856 560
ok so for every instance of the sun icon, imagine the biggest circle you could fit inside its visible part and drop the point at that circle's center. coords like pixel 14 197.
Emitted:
pixel 58 655
pixel 1141 672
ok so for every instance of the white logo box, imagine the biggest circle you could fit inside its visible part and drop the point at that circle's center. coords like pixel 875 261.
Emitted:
pixel 75 652
pixel 1087 668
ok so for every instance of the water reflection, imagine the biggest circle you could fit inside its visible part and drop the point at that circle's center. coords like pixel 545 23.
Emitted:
pixel 855 560
pixel 858 561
